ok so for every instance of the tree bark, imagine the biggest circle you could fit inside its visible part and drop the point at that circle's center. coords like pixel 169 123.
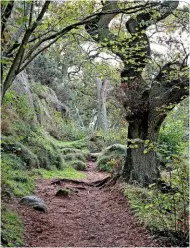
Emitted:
pixel 101 98
pixel 140 166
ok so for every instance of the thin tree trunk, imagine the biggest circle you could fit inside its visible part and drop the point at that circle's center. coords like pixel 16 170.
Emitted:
pixel 80 119
pixel 101 98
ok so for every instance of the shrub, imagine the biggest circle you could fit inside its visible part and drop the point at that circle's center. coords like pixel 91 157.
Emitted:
pixel 65 129
pixel 112 158
pixel 170 140
pixel 11 228
pixel 78 165
pixel 75 156
pixel 10 146
pixel 116 136
pixel 6 127
pixel 16 181
pixel 19 104
pixel 165 209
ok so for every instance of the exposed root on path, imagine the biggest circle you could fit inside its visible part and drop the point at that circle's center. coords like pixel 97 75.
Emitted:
pixel 108 183
pixel 59 181
pixel 97 183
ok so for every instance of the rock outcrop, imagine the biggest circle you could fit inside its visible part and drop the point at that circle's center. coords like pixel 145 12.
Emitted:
pixel 40 99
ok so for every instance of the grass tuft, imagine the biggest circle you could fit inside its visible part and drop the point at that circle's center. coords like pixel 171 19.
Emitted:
pixel 69 173
pixel 11 229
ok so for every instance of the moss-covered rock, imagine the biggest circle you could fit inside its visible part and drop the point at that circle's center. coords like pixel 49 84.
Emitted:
pixel 14 148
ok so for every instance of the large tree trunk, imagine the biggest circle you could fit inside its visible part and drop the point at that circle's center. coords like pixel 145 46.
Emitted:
pixel 140 166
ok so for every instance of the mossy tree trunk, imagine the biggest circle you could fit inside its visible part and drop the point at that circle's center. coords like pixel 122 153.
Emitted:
pixel 141 164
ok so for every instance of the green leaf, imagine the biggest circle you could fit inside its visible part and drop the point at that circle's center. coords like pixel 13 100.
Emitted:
pixel 19 21
pixel 4 61
pixel 4 3
pixel 25 18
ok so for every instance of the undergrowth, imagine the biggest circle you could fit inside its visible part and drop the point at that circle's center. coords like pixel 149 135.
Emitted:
pixel 68 173
pixel 11 228
pixel 164 210
pixel 15 180
pixel 112 158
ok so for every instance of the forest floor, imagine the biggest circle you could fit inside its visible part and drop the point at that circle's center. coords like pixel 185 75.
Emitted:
pixel 91 217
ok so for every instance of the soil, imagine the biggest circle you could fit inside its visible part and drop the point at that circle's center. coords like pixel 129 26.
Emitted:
pixel 91 217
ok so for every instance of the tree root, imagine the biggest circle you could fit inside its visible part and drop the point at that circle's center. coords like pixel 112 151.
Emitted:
pixel 59 181
pixel 99 183
pixel 110 182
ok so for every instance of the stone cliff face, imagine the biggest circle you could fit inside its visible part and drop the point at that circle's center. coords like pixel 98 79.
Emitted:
pixel 41 100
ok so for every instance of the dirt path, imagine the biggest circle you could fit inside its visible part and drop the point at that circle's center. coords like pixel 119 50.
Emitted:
pixel 89 218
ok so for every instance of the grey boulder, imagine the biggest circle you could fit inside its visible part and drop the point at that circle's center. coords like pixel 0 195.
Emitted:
pixel 34 202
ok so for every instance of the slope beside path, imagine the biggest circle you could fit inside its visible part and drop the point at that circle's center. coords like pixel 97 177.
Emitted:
pixel 91 217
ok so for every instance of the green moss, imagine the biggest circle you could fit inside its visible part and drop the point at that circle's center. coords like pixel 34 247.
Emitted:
pixel 104 163
pixel 28 158
pixel 138 198
pixel 12 229
pixel 78 144
pixel 14 161
pixel 68 150
pixel 111 156
pixel 16 181
pixel 74 156
pixel 37 145
pixel 69 173
pixel 116 148
pixel 78 165
pixel 48 153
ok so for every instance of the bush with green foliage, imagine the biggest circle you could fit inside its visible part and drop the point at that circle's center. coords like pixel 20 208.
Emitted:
pixel 36 140
pixel 164 208
pixel 173 139
pixel 11 228
pixel 112 156
pixel 19 104
pixel 15 180
pixel 75 158
pixel 78 165
pixel 65 129
pixel 115 136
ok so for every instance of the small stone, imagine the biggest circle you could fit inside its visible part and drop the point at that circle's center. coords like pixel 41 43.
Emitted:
pixel 40 208
pixel 39 230
pixel 65 192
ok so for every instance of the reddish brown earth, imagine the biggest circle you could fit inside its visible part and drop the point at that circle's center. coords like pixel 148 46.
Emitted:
pixel 89 218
